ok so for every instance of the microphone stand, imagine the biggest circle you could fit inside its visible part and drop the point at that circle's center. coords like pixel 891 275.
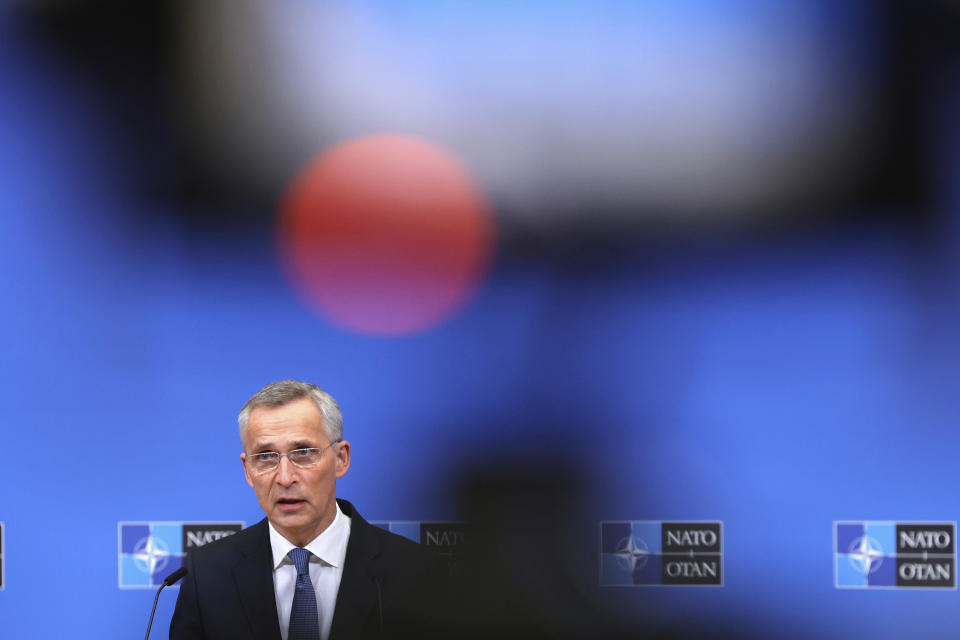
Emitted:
pixel 169 580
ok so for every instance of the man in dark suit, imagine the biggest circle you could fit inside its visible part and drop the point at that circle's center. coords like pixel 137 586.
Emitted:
pixel 313 569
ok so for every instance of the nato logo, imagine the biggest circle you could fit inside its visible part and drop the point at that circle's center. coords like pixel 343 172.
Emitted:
pixel 446 538
pixel 150 551
pixel 890 555
pixel 2 565
pixel 657 553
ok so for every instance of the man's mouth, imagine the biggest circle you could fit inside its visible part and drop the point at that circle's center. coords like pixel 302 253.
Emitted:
pixel 290 504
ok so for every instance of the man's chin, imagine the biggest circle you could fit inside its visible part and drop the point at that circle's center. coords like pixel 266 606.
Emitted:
pixel 292 518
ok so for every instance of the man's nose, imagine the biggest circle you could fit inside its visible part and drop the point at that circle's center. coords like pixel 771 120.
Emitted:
pixel 285 472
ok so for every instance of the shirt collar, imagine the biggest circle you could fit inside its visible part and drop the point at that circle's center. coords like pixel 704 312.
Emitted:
pixel 330 546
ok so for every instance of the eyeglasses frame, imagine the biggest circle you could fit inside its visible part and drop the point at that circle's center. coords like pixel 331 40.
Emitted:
pixel 286 455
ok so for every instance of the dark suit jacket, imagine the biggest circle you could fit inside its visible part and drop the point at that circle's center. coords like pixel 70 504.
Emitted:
pixel 388 588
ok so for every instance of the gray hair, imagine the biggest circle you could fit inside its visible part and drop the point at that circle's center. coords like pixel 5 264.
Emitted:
pixel 277 394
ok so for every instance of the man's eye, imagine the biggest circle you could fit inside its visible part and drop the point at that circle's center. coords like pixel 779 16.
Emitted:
pixel 300 454
pixel 265 456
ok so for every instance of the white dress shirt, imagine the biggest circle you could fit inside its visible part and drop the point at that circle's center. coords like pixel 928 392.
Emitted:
pixel 329 550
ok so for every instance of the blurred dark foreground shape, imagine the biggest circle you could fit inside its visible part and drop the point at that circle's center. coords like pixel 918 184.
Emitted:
pixel 528 566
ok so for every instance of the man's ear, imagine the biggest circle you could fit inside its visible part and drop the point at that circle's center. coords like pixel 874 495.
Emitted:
pixel 243 461
pixel 343 458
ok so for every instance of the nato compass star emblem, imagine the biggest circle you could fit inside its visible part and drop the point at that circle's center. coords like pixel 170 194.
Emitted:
pixel 632 553
pixel 865 554
pixel 147 551
pixel 151 554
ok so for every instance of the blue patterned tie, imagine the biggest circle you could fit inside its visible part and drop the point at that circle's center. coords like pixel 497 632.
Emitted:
pixel 304 622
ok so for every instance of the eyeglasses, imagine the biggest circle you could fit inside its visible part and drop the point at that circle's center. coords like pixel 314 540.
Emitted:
pixel 267 461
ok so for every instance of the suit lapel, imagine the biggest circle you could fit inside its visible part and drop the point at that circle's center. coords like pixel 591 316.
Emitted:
pixel 357 598
pixel 253 575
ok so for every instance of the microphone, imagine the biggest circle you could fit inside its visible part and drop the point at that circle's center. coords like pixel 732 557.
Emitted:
pixel 169 580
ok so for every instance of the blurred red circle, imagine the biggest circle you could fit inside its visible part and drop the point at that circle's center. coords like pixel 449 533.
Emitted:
pixel 386 234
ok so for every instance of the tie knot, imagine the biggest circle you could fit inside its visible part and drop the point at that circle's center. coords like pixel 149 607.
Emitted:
pixel 300 558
